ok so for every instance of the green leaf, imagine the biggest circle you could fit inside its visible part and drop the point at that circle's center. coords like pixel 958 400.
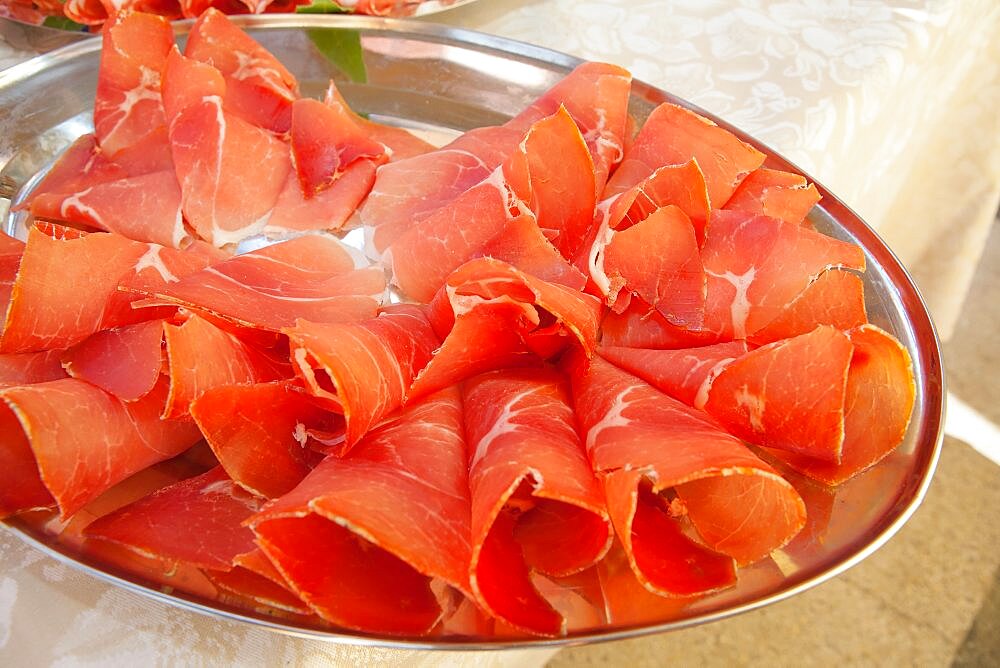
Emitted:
pixel 62 23
pixel 321 7
pixel 342 47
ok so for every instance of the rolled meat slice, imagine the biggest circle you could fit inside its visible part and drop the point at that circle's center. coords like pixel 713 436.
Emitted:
pixel 367 540
pixel 52 429
pixel 365 369
pixel 491 316
pixel 536 506
pixel 661 461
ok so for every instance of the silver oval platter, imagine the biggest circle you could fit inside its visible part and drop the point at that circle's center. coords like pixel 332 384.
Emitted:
pixel 439 82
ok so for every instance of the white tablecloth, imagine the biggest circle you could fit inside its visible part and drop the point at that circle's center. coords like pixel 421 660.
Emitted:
pixel 892 105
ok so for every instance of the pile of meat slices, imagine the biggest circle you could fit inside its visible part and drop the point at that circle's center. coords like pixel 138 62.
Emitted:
pixel 615 350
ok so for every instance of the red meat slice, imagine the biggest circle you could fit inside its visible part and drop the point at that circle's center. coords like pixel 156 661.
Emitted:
pixel 409 191
pixel 325 141
pixel 21 486
pixel 127 108
pixel 365 368
pixel 686 375
pixel 112 205
pixel 363 539
pixel 523 245
pixel 329 209
pixel 776 194
pixel 11 250
pixel 125 361
pixel 59 419
pixel 85 12
pixel 643 443
pixel 82 163
pixel 658 260
pixel 258 87
pixel 196 522
pixel 30 368
pixel 211 150
pixel 202 356
pixel 788 394
pixel 878 404
pixel 596 96
pixel 67 286
pixel 491 316
pixel 835 298
pixel 673 135
pixel 255 578
pixel 310 277
pixel 536 505
pixel 259 432
pixel 187 82
pixel 399 143
pixel 757 265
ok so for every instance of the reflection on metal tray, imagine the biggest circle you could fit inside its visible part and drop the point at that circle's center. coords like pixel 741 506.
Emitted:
pixel 442 81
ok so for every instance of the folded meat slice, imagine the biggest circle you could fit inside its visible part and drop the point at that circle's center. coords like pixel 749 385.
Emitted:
pixel 661 461
pixel 329 209
pixel 878 403
pixel 491 316
pixel 259 88
pixel 196 522
pixel 310 277
pixel 367 540
pixel 398 142
pixel 57 421
pixel 202 356
pixel 757 266
pixel 254 581
pixel 259 433
pixel 673 135
pixel 364 368
pixel 776 194
pixel 596 96
pixel 125 361
pixel 67 286
pixel 11 250
pixel 127 107
pixel 30 368
pixel 685 374
pixel 112 205
pixel 536 505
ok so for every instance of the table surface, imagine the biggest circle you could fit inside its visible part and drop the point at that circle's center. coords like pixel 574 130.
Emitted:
pixel 891 105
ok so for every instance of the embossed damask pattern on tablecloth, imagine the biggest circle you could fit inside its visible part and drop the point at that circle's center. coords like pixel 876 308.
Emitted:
pixel 892 105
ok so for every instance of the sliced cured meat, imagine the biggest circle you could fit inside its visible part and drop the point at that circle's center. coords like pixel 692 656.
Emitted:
pixel 642 444
pixel 186 82
pixel 878 404
pixel 366 368
pixel 196 522
pixel 67 286
pixel 673 135
pixel 325 142
pixel 329 209
pixel 552 172
pixel 658 260
pixel 399 143
pixel 422 258
pixel 757 265
pixel 125 361
pixel 491 316
pixel 788 394
pixel 364 537
pixel 642 326
pixel 626 601
pixel 258 87
pixel 83 160
pixel 596 96
pixel 685 374
pixel 266 592
pixel 211 150
pixel 29 368
pixel 112 205
pixel 776 194
pixel 21 486
pixel 835 298
pixel 536 505
pixel 11 250
pixel 680 185
pixel 127 107
pixel 309 277
pixel 523 245
pixel 85 12
pixel 409 191
pixel 259 433
pixel 59 419
pixel 202 356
